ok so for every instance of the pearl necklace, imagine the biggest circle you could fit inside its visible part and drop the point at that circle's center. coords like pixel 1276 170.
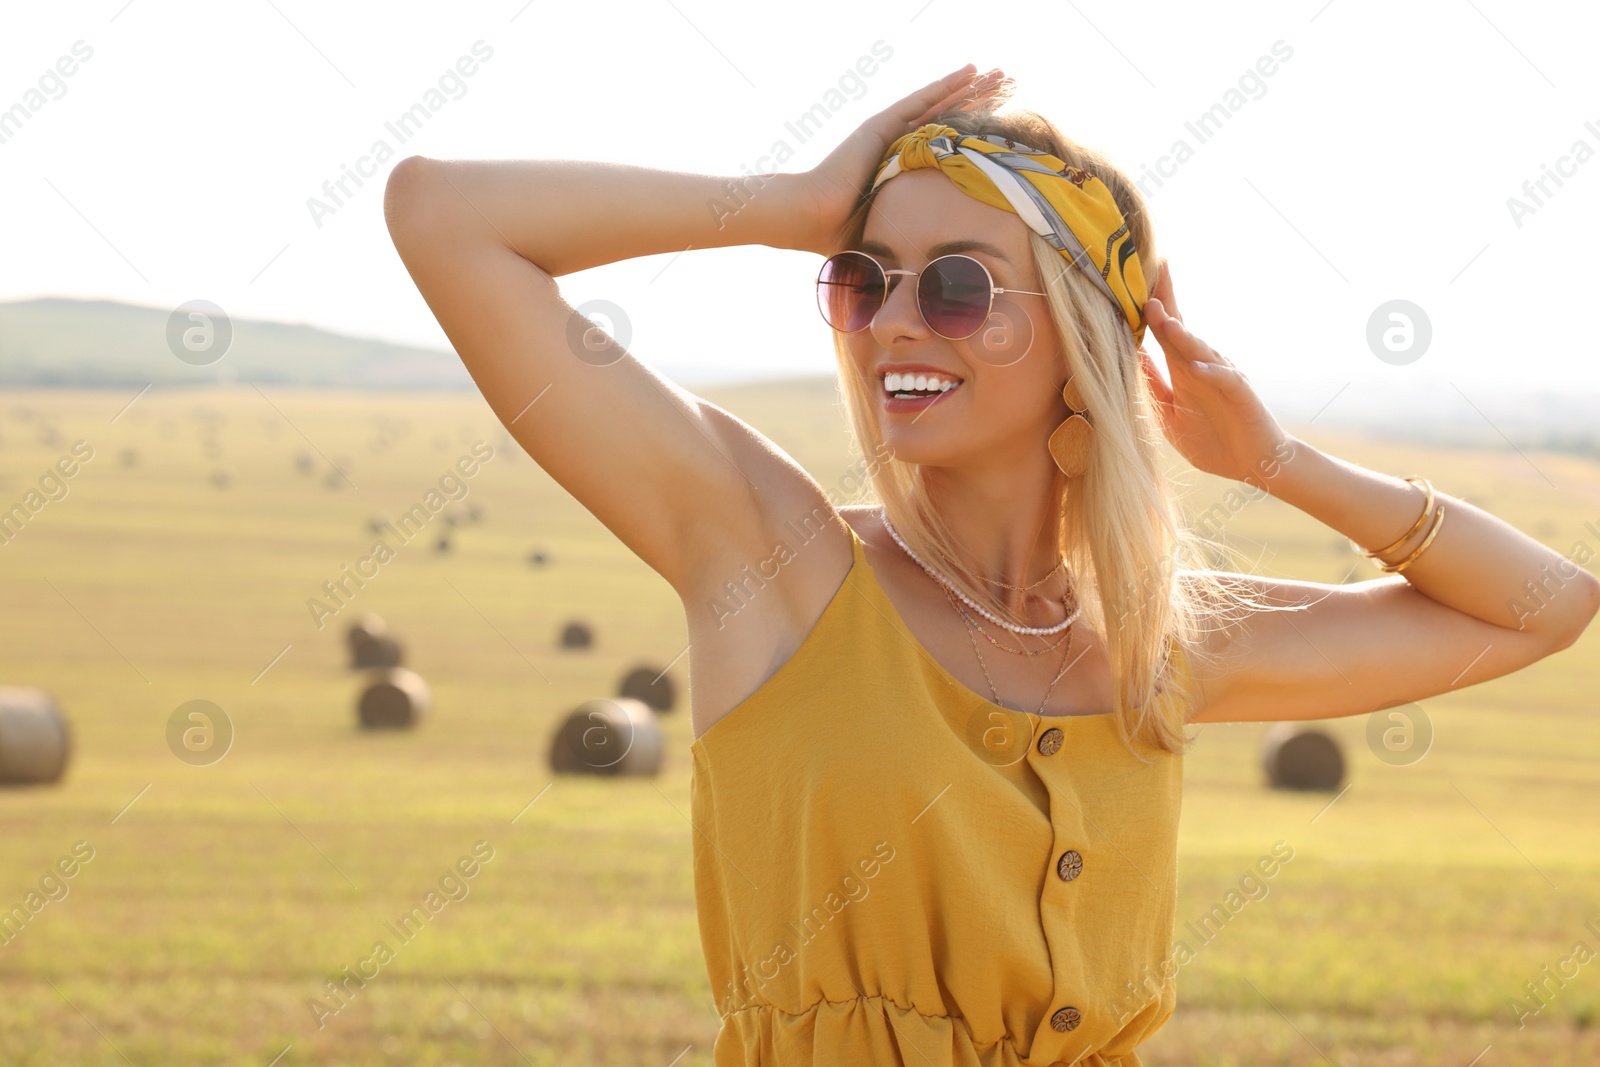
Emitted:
pixel 980 609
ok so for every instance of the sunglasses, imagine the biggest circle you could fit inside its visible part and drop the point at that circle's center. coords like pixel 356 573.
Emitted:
pixel 955 293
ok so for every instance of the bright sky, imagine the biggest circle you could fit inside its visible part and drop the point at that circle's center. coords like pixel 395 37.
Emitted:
pixel 1374 163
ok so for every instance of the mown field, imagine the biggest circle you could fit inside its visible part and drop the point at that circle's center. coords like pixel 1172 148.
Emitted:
pixel 220 898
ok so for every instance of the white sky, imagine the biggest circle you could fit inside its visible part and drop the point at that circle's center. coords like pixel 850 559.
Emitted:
pixel 1376 164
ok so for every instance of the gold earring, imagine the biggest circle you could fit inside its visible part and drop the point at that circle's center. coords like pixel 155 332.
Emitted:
pixel 1069 444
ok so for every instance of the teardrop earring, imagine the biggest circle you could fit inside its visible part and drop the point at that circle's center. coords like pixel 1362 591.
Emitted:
pixel 1069 444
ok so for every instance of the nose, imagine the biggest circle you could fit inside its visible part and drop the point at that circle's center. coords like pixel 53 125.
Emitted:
pixel 900 319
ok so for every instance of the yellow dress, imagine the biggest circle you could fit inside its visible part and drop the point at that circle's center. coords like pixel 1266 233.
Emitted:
pixel 890 869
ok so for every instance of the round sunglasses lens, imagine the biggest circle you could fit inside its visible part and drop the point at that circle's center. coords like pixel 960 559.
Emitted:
pixel 850 290
pixel 954 292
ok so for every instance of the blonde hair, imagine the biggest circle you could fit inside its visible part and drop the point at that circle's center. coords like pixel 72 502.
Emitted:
pixel 1137 567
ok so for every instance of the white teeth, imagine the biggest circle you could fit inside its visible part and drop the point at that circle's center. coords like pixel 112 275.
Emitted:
pixel 895 383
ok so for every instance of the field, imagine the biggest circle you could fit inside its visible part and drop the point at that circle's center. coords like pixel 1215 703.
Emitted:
pixel 220 898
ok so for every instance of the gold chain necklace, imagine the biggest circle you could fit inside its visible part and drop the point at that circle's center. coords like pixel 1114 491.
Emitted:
pixel 969 626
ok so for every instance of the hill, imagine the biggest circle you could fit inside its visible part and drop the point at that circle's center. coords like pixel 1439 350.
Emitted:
pixel 58 341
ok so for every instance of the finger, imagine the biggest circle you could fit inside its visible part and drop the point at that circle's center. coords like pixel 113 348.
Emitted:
pixel 1163 290
pixel 1175 337
pixel 932 98
pixel 982 91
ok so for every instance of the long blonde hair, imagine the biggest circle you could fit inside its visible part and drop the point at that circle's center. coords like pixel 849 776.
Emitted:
pixel 1118 527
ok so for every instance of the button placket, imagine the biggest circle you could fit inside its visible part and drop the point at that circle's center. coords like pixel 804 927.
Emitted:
pixel 1068 865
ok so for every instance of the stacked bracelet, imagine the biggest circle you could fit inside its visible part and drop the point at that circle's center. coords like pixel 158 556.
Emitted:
pixel 1429 511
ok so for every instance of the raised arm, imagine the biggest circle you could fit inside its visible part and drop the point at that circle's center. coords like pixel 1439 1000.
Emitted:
pixel 484 241
pixel 675 478
pixel 1479 600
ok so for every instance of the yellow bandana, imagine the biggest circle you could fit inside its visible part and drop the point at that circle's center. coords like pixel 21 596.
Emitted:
pixel 1068 207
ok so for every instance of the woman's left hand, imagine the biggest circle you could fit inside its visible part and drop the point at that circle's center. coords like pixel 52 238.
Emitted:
pixel 1209 412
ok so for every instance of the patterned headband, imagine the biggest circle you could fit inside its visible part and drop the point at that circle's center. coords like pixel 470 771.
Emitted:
pixel 1068 207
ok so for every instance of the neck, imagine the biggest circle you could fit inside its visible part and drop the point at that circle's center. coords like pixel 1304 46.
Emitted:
pixel 1003 523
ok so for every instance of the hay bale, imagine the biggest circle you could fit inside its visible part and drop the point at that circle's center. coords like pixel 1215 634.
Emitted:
pixel 477 512
pixel 1296 757
pixel 304 462
pixel 393 699
pixel 364 628
pixel 130 457
pixel 538 557
pixel 378 522
pixel 443 545
pixel 380 650
pixel 611 737
pixel 35 742
pixel 222 477
pixel 576 634
pixel 650 686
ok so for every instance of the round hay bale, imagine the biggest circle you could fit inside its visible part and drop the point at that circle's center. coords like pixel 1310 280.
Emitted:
pixel 380 650
pixel 477 512
pixel 443 545
pixel 364 628
pixel 334 480
pixel 222 477
pixel 538 557
pixel 304 462
pixel 650 686
pixel 379 522
pixel 576 634
pixel 393 699
pixel 617 737
pixel 130 457
pixel 1296 757
pixel 35 742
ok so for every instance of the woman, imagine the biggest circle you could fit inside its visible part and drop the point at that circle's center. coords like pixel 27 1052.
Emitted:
pixel 912 846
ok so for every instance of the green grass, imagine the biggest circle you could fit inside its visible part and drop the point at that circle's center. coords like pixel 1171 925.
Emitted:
pixel 219 903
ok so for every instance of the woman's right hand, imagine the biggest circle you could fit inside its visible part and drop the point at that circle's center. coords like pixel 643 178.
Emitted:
pixel 834 187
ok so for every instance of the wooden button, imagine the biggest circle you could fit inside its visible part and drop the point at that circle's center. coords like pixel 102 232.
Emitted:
pixel 1070 865
pixel 1066 1019
pixel 1050 741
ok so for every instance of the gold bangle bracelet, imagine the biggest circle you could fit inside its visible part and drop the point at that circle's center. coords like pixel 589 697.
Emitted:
pixel 1438 523
pixel 1427 513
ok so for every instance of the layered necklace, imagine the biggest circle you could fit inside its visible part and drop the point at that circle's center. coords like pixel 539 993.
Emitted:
pixel 952 594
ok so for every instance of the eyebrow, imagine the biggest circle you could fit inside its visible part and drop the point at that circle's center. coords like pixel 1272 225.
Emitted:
pixel 945 249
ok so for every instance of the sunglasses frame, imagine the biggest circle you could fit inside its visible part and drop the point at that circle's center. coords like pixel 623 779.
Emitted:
pixel 994 290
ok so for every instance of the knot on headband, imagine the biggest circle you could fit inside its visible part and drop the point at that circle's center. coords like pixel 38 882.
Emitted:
pixel 1069 207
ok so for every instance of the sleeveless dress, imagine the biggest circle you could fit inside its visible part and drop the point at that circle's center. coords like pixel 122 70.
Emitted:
pixel 891 869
